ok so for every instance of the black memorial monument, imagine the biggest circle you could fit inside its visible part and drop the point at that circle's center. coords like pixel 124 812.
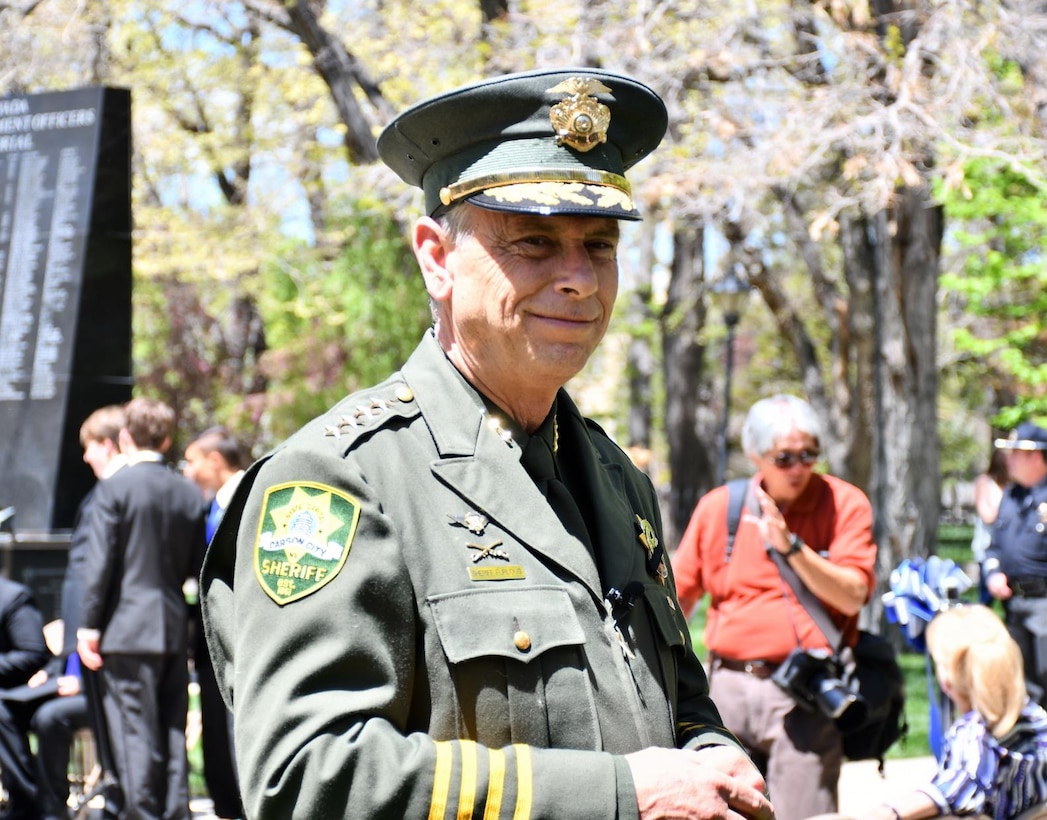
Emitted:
pixel 65 312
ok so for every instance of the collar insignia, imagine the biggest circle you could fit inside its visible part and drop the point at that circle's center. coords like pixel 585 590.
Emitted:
pixel 655 553
pixel 473 521
pixel 579 119
pixel 647 537
pixel 489 551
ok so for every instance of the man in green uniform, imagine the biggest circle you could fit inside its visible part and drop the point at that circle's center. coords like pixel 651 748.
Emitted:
pixel 448 596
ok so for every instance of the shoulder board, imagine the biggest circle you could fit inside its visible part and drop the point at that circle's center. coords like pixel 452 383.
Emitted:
pixel 362 413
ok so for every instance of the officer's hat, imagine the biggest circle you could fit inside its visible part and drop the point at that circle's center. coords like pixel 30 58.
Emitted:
pixel 1026 436
pixel 543 142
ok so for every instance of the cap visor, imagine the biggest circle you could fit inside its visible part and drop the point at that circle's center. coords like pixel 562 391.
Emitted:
pixel 1020 444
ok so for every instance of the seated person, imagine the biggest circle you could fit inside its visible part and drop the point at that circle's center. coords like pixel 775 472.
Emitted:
pixel 22 652
pixel 994 761
pixel 54 722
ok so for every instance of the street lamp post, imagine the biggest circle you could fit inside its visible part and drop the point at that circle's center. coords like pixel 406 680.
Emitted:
pixel 730 293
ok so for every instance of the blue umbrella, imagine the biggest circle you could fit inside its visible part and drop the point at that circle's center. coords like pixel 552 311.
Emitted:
pixel 920 589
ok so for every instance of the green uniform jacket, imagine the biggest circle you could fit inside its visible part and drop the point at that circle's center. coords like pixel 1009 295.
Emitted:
pixel 411 674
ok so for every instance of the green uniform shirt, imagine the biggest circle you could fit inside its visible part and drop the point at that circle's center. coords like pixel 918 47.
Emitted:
pixel 404 628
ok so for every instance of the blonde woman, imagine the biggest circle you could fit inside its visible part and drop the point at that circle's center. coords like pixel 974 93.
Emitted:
pixel 995 755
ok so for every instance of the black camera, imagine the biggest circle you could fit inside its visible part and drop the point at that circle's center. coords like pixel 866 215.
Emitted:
pixel 811 678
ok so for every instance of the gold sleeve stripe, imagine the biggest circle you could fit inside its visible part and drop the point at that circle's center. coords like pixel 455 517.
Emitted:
pixel 467 793
pixel 441 780
pixel 495 784
pixel 524 782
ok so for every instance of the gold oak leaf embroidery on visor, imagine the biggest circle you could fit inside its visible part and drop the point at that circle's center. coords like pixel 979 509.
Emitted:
pixel 558 193
pixel 611 198
pixel 304 537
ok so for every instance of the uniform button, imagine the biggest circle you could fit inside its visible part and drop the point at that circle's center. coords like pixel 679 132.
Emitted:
pixel 522 641
pixel 404 393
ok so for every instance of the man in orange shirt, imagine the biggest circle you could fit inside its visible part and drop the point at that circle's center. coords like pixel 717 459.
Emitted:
pixel 822 527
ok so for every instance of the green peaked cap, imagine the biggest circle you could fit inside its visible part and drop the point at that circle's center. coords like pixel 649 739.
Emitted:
pixel 543 142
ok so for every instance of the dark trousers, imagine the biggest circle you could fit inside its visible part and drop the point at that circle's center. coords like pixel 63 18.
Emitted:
pixel 1026 620
pixel 16 759
pixel 217 739
pixel 146 699
pixel 54 724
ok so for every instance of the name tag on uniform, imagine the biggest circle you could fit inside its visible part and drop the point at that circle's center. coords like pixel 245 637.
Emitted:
pixel 512 572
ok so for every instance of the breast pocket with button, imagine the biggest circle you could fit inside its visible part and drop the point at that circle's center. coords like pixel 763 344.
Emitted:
pixel 516 659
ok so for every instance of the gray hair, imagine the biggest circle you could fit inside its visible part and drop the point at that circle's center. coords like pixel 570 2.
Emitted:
pixel 457 224
pixel 775 417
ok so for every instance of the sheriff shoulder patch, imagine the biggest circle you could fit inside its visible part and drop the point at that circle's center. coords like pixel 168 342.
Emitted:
pixel 304 537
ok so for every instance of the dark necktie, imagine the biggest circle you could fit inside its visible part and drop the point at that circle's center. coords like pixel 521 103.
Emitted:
pixel 538 460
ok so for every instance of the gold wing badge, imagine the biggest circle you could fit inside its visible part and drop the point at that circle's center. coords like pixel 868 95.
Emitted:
pixel 579 119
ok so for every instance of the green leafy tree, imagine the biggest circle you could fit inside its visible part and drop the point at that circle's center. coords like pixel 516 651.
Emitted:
pixel 1001 216
pixel 334 328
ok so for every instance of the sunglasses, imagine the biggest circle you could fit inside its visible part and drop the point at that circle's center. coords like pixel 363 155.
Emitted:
pixel 784 460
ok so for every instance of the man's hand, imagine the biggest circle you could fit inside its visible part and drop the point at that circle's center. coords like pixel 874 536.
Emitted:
pixel 770 522
pixel 712 782
pixel 87 649
pixel 68 685
pixel 998 587
pixel 39 678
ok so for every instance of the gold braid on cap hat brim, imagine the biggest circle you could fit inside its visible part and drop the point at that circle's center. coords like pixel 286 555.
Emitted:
pixel 467 187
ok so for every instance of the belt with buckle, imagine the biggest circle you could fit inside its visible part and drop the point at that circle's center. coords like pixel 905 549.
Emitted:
pixel 1028 586
pixel 757 668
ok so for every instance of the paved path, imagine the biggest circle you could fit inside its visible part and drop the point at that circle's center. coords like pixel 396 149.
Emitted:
pixel 861 785
pixel 202 808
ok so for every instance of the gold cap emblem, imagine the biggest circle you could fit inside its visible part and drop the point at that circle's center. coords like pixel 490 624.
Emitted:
pixel 579 119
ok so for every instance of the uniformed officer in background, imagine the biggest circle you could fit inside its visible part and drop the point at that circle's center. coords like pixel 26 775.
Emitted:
pixel 448 596
pixel 1016 561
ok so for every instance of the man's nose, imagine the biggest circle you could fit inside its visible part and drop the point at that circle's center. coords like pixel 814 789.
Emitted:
pixel 578 273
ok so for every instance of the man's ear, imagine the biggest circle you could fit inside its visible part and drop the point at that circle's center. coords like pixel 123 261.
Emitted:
pixel 217 462
pixel 431 248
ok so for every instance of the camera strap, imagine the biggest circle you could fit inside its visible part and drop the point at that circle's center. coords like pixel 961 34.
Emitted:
pixel 807 599
pixel 737 496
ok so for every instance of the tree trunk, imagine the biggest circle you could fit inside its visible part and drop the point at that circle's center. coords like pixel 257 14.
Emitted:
pixel 640 357
pixel 683 359
pixel 892 265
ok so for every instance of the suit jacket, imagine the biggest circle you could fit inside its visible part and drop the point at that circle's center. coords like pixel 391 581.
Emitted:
pixel 145 528
pixel 22 646
pixel 73 580
pixel 443 644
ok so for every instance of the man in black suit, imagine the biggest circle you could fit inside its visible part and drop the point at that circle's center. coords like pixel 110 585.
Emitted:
pixel 215 461
pixel 145 531
pixel 58 717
